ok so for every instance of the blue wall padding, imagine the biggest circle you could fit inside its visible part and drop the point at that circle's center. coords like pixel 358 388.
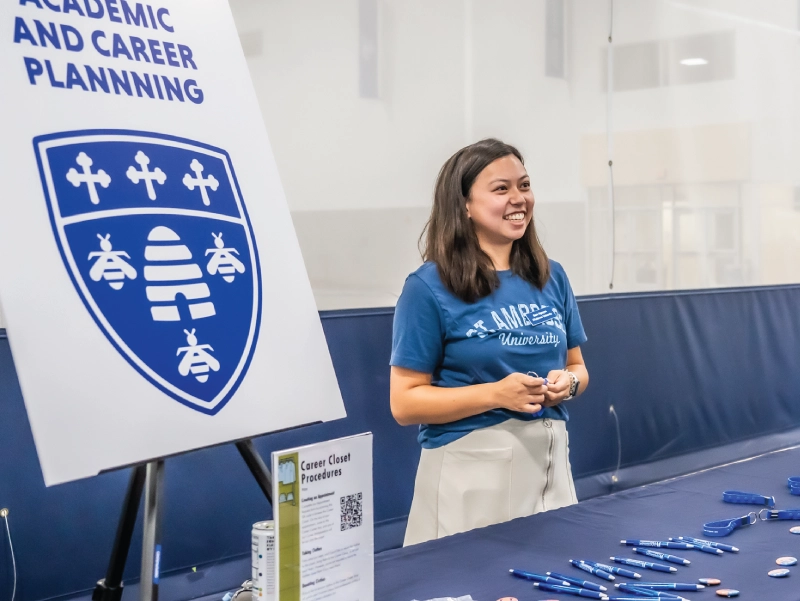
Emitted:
pixel 685 372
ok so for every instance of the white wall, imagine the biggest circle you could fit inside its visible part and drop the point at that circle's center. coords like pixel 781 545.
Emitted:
pixel 359 173
pixel 692 142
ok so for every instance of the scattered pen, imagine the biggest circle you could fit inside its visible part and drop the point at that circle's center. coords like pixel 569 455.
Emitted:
pixel 675 586
pixel 705 548
pixel 649 565
pixel 633 589
pixel 594 571
pixel 657 543
pixel 662 556
pixel 708 543
pixel 642 597
pixel 578 582
pixel 628 587
pixel 570 590
pixel 613 569
pixel 538 577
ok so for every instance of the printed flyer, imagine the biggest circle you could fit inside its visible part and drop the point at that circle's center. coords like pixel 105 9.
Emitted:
pixel 322 499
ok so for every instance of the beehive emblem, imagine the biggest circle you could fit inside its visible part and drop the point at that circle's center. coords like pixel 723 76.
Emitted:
pixel 156 238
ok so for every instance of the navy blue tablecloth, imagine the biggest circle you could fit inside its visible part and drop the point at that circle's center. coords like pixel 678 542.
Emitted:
pixel 477 562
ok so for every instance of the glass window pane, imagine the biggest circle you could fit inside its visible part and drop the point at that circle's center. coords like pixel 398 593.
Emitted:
pixel 366 100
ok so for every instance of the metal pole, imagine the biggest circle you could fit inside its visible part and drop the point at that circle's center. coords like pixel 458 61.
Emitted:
pixel 257 467
pixel 151 548
pixel 610 140
pixel 110 588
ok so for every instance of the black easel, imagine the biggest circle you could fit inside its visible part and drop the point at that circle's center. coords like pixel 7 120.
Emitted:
pixel 150 478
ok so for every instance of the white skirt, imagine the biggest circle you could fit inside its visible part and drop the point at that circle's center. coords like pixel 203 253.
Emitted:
pixel 491 475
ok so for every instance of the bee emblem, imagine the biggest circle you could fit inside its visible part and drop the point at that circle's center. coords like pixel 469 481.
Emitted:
pixel 110 264
pixel 222 260
pixel 196 359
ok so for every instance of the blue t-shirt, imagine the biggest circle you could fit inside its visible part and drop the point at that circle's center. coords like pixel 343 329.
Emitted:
pixel 461 344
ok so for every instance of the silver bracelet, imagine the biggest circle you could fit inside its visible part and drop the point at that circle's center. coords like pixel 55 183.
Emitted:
pixel 573 387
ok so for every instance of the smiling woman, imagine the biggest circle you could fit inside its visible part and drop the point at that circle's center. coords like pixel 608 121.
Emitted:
pixel 485 348
pixel 500 207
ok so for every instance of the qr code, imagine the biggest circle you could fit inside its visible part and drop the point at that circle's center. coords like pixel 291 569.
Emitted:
pixel 351 511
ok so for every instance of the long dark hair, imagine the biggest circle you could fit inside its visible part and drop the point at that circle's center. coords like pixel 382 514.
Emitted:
pixel 450 239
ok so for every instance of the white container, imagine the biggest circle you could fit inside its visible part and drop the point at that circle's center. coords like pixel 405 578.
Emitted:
pixel 263 546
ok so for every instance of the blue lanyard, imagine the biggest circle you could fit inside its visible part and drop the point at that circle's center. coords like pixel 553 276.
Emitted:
pixel 747 498
pixel 775 514
pixel 794 485
pixel 725 527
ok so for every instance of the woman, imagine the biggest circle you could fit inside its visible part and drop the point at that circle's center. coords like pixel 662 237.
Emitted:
pixel 485 349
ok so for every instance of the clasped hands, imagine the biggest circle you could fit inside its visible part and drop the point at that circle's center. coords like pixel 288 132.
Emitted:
pixel 528 394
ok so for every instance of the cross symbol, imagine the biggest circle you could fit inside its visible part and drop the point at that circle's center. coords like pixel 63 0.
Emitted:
pixel 146 175
pixel 87 177
pixel 210 182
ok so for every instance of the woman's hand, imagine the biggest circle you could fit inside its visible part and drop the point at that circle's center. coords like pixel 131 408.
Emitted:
pixel 519 392
pixel 558 383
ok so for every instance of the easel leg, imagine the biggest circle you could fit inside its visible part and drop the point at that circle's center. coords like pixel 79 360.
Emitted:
pixel 257 467
pixel 151 548
pixel 110 588
pixel 151 478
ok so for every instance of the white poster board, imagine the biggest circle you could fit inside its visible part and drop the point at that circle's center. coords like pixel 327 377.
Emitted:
pixel 151 282
pixel 323 509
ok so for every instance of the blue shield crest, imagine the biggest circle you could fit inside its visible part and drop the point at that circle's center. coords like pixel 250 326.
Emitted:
pixel 154 233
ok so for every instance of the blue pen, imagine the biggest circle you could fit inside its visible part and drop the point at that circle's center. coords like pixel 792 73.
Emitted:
pixel 663 556
pixel 656 543
pixel 632 588
pixel 658 595
pixel 709 543
pixel 570 590
pixel 640 598
pixel 638 590
pixel 578 582
pixel 594 571
pixel 613 569
pixel 675 586
pixel 706 548
pixel 538 577
pixel 649 565
pixel 710 550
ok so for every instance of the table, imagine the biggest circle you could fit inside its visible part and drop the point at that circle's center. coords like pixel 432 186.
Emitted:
pixel 477 562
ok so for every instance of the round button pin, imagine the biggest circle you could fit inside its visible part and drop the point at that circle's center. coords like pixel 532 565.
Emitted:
pixel 786 561
pixel 507 599
pixel 781 573
pixel 710 581
pixel 728 592
pixel 795 529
